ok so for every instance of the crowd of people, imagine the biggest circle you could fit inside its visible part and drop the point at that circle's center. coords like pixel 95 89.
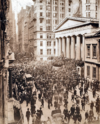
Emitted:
pixel 53 86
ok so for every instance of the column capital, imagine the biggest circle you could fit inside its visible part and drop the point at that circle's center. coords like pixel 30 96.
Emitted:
pixel 57 38
pixel 73 36
pixel 79 35
pixel 68 36
pixel 60 37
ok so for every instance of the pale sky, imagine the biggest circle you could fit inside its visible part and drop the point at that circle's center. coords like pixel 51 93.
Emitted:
pixel 17 4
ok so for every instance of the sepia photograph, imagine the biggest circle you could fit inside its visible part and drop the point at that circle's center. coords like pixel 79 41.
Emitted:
pixel 49 61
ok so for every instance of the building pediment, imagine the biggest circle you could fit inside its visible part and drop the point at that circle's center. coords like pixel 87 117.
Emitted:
pixel 74 22
pixel 70 23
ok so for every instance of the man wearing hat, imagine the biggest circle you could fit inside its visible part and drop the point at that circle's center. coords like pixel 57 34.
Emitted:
pixel 69 115
pixel 72 110
pixel 77 109
pixel 75 117
pixel 28 115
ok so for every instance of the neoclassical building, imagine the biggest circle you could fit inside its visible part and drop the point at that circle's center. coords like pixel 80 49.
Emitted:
pixel 70 36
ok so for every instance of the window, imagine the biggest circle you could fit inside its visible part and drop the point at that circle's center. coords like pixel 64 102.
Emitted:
pixel 63 15
pixel 88 50
pixel 63 8
pixel 41 35
pixel 96 8
pixel 41 7
pixel 69 4
pixel 40 1
pixel 48 8
pixel 41 51
pixel 48 27
pixel 88 7
pixel 41 28
pixel 48 36
pixel 48 1
pixel 55 8
pixel 41 43
pixel 55 15
pixel 41 20
pixel 88 70
pixel 94 72
pixel 96 15
pixel 54 43
pixel 56 21
pixel 94 50
pixel 69 9
pixel 41 13
pixel 48 14
pixel 88 14
pixel 54 51
pixel 55 2
pixel 48 51
pixel 48 43
pixel 87 1
pixel 48 21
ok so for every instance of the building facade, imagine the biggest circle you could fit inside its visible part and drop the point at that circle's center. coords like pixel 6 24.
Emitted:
pixel 49 13
pixel 11 28
pixel 70 36
pixel 92 56
pixel 90 8
pixel 31 32
pixel 20 23
pixel 5 39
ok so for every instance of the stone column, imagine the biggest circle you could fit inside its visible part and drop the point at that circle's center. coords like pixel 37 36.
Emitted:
pixel 60 46
pixel 78 49
pixel 10 82
pixel 68 47
pixel 97 72
pixel 72 47
pixel 63 46
pixel 57 47
pixel 83 47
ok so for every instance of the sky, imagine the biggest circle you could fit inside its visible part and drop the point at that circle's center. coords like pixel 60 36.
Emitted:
pixel 18 4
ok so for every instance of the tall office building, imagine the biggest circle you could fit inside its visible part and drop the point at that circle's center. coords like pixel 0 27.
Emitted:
pixel 90 8
pixel 48 14
pixel 23 20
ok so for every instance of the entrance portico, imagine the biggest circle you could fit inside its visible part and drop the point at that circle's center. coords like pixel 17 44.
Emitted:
pixel 70 36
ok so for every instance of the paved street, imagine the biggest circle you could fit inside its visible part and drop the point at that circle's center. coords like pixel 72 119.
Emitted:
pixel 47 112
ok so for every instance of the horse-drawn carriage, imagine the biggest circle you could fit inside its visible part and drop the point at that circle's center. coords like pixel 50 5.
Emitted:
pixel 57 117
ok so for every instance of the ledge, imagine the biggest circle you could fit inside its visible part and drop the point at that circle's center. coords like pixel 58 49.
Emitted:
pixel 88 57
pixel 94 58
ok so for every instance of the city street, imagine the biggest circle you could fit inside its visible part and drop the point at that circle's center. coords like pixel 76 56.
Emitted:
pixel 47 112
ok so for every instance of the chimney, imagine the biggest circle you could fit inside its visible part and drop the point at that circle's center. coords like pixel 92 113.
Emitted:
pixel 99 12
